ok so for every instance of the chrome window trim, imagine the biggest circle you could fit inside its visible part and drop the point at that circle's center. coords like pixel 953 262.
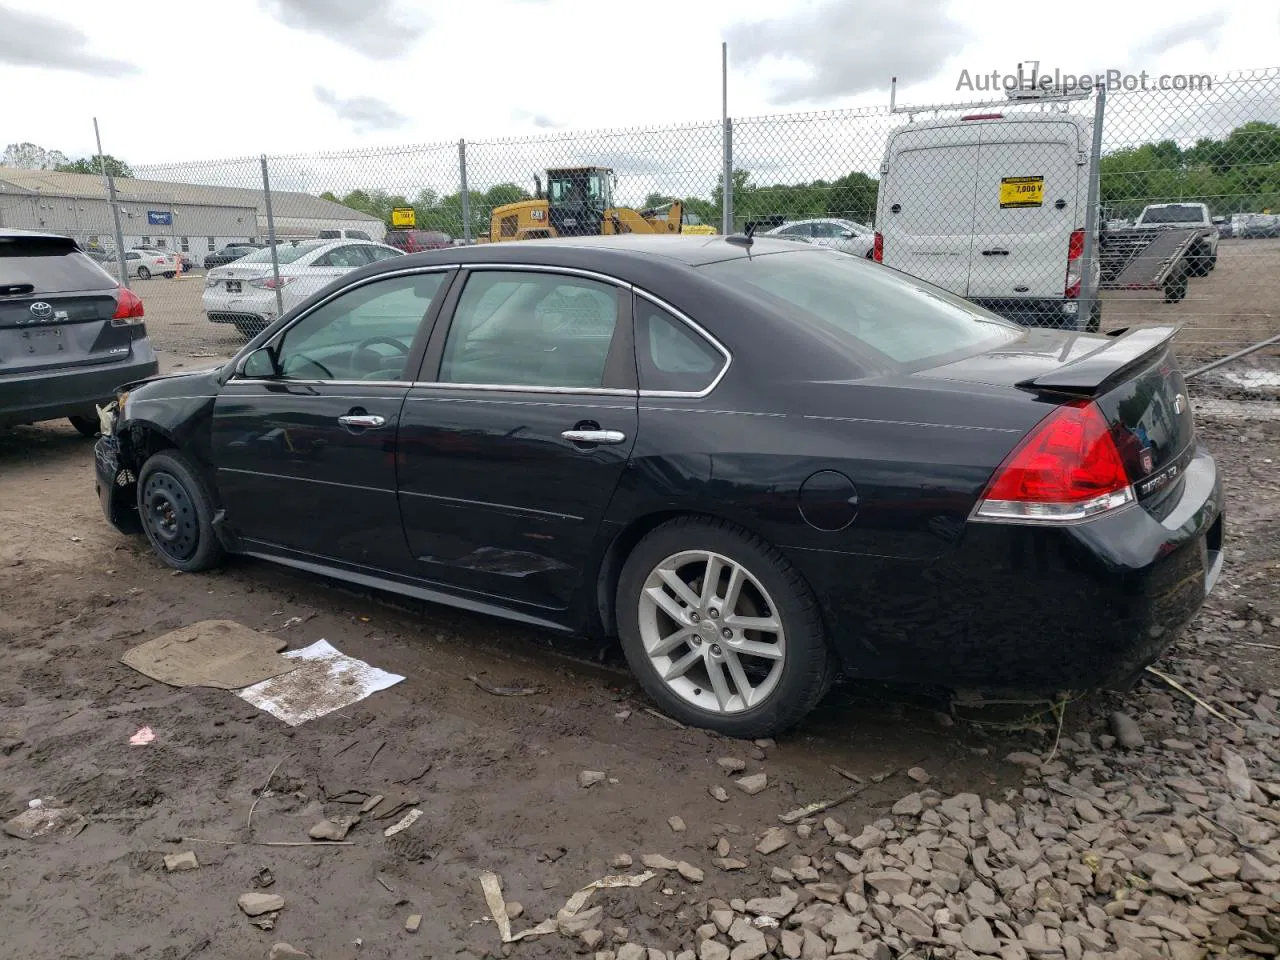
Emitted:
pixel 700 331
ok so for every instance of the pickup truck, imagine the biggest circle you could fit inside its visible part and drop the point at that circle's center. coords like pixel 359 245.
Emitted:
pixel 1203 255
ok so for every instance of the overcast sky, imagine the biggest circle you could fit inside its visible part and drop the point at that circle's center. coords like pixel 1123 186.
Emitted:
pixel 203 80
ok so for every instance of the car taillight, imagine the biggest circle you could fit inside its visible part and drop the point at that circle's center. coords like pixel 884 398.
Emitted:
pixel 161 260
pixel 877 251
pixel 1067 469
pixel 1075 250
pixel 128 307
pixel 269 283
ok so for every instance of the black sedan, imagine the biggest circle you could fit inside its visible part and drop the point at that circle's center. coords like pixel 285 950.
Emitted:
pixel 757 463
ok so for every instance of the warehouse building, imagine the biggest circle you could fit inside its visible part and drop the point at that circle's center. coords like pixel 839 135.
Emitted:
pixel 187 217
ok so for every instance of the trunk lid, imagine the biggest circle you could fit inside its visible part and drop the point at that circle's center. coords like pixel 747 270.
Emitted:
pixel 56 307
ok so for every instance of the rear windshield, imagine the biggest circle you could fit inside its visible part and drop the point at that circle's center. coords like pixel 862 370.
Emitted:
pixel 50 265
pixel 1174 213
pixel 910 323
pixel 285 252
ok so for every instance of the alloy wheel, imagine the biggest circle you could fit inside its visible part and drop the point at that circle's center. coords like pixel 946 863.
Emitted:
pixel 711 631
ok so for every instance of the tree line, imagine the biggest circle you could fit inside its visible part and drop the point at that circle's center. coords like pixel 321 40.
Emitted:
pixel 31 156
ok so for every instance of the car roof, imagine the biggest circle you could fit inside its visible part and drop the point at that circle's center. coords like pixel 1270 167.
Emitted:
pixel 16 232
pixel 603 253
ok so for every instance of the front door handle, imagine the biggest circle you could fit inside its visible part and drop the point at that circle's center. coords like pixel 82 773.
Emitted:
pixel 995 253
pixel 594 436
pixel 365 421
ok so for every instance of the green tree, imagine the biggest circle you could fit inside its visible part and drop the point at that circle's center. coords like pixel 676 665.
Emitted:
pixel 115 167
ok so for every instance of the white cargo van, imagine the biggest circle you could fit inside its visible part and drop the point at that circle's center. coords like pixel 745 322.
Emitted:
pixel 991 206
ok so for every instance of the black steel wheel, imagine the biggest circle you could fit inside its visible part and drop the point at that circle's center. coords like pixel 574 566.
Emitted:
pixel 144 273
pixel 177 512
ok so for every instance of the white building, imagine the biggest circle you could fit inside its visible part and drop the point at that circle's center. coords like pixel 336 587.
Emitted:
pixel 193 218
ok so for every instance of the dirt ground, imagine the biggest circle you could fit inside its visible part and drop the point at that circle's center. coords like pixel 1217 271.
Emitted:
pixel 496 777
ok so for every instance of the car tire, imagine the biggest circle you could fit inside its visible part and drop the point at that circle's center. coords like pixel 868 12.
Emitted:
pixel 792 663
pixel 168 274
pixel 85 426
pixel 1176 287
pixel 144 273
pixel 176 511
pixel 250 328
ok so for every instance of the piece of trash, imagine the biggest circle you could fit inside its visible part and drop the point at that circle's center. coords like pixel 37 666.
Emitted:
pixel 177 862
pixel 325 680
pixel 35 804
pixel 622 714
pixel 492 888
pixel 290 622
pixel 264 878
pixel 212 653
pixel 77 539
pixel 503 691
pixel 413 922
pixel 144 735
pixel 409 820
pixel 764 923
pixel 35 823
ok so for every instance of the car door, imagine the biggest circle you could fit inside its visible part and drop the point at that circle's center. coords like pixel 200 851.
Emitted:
pixel 513 442
pixel 304 434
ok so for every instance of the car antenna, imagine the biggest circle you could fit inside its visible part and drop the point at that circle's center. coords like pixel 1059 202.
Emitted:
pixel 743 239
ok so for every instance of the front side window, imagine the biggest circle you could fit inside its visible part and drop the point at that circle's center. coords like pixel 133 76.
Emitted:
pixel 670 355
pixel 530 329
pixel 352 256
pixel 364 334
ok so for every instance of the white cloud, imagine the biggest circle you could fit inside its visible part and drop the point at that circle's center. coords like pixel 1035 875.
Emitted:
pixel 363 113
pixel 375 28
pixel 34 40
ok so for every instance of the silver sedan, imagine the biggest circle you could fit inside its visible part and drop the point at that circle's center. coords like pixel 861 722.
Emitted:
pixel 847 236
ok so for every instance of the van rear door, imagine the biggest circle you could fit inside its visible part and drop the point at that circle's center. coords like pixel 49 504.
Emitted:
pixel 1030 185
pixel 926 206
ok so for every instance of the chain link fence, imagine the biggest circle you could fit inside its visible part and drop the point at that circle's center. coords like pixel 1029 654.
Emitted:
pixel 1153 203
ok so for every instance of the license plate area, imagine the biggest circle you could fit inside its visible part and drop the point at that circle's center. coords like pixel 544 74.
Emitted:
pixel 43 343
pixel 233 286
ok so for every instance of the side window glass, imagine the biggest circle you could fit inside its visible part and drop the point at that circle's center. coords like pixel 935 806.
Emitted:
pixel 365 334
pixel 530 329
pixel 670 355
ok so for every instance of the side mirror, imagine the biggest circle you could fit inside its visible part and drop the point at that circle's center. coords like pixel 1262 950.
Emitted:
pixel 260 365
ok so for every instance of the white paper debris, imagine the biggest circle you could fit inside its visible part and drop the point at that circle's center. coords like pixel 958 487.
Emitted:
pixel 497 905
pixel 405 823
pixel 326 680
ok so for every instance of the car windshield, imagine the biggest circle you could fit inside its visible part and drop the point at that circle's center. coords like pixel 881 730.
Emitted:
pixel 1174 213
pixel 287 252
pixel 910 323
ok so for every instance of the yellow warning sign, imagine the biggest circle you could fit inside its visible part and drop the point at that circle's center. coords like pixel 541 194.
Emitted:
pixel 1021 192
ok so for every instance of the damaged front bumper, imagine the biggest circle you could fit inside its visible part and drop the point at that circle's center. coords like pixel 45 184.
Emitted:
pixel 116 484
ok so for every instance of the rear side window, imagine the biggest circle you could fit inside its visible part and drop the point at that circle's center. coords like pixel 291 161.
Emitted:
pixel 49 265
pixel 670 355
pixel 1175 213
pixel 866 306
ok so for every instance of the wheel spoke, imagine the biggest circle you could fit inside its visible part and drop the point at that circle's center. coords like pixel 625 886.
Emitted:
pixel 670 642
pixel 763 624
pixel 719 683
pixel 738 676
pixel 737 577
pixel 711 579
pixel 680 667
pixel 678 587
pixel 667 604
pixel 754 648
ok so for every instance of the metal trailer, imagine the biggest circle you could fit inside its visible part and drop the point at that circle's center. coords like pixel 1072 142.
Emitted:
pixel 1148 260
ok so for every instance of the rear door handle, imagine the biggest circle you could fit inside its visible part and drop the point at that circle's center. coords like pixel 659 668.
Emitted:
pixel 995 253
pixel 367 421
pixel 594 436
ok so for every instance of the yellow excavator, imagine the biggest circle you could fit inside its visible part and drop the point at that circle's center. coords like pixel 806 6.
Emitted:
pixel 578 202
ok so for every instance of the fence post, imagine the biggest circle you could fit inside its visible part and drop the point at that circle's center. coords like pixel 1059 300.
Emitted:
pixel 1090 254
pixel 115 208
pixel 726 226
pixel 465 193
pixel 271 236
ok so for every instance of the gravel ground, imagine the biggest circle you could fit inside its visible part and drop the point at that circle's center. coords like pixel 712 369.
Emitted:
pixel 1008 830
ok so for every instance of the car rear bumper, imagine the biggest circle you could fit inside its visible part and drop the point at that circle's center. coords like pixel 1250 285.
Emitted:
pixel 223 307
pixel 71 391
pixel 1031 609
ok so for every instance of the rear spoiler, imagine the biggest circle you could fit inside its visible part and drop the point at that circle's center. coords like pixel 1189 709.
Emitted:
pixel 1108 363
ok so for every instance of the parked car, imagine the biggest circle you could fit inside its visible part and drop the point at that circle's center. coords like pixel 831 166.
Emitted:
pixel 230 253
pixel 1258 226
pixel 183 261
pixel 416 241
pixel 344 234
pixel 243 293
pixel 992 207
pixel 847 236
pixel 69 333
pixel 1185 216
pixel 144 264
pixel 810 465
pixel 1225 227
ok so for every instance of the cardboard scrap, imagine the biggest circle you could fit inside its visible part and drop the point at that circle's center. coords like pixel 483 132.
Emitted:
pixel 212 653
pixel 41 821
pixel 492 888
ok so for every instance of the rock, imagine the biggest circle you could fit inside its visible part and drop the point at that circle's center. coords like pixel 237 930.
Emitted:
pixel 875 950
pixel 413 922
pixel 729 864
pixel 813 947
pixel 774 839
pixel 977 936
pixel 751 950
pixel 1224 868
pixel 656 861
pixel 577 923
pixel 1023 759
pixel 731 764
pixel 779 875
pixel 591 938
pixel 712 950
pixel 1253 870
pixel 792 944
pixel 719 793
pixel 176 862
pixel 869 838
pixel 1086 811
pixel 909 806
pixel 1193 873
pixel 723 919
pixel 676 824
pixel 1127 732
pixel 256 904
pixel 722 847
pixel 826 892
pixel 743 930
pixel 622 861
pixel 1166 882
pixel 913 923
pixel 690 872
pixel 919 775
pixel 892 882
pixel 804 830
pixel 285 951
pixel 756 783
pixel 1237 775
pixel 515 909
pixel 777 907
pixel 589 778
pixel 633 951
pixel 332 829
